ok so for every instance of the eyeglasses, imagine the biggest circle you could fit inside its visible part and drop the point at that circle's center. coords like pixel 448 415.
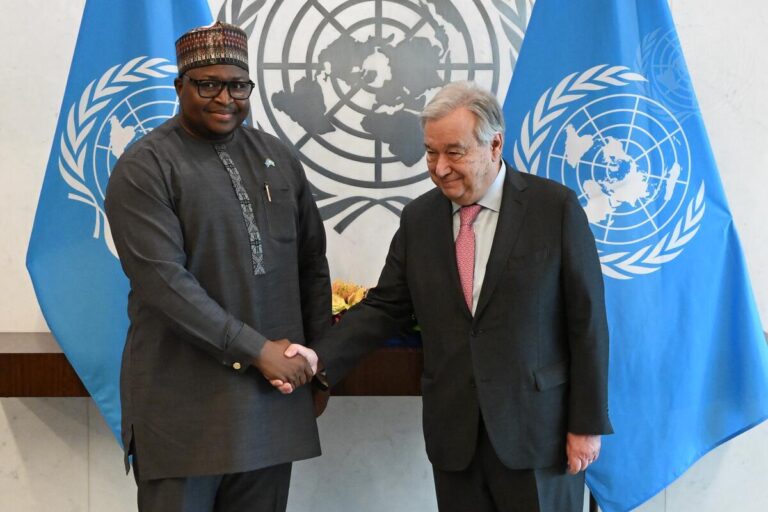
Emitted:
pixel 237 89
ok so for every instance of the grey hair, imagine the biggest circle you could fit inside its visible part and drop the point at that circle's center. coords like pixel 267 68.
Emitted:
pixel 474 98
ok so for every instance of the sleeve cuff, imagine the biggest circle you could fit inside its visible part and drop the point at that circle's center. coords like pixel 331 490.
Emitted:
pixel 243 348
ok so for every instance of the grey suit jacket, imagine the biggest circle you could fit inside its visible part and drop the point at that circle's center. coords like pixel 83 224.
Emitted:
pixel 533 359
pixel 191 402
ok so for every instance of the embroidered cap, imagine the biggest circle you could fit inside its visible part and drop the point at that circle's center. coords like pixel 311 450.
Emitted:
pixel 220 43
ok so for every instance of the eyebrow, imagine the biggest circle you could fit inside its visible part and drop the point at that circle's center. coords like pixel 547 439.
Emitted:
pixel 214 77
pixel 454 145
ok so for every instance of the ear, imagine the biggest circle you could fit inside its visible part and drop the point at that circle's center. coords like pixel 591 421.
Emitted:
pixel 177 83
pixel 497 144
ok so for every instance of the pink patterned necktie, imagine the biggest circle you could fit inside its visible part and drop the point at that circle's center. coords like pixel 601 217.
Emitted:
pixel 465 250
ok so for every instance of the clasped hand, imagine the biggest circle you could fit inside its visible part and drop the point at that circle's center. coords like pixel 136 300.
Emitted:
pixel 280 366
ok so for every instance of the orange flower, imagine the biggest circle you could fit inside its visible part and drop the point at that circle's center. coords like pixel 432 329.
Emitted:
pixel 357 296
pixel 345 295
pixel 338 304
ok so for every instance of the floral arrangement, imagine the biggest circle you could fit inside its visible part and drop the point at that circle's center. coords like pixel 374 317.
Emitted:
pixel 344 296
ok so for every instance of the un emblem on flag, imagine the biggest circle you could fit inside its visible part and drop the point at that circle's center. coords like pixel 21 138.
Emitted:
pixel 627 158
pixel 113 111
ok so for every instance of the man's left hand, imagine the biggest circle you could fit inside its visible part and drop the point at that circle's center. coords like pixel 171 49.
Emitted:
pixel 582 450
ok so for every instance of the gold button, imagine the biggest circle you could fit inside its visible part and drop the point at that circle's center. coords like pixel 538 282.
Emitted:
pixel 236 365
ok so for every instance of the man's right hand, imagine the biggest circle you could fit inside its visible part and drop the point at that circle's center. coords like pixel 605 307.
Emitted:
pixel 292 352
pixel 273 364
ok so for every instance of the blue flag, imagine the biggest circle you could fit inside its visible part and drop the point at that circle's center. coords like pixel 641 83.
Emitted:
pixel 602 102
pixel 120 86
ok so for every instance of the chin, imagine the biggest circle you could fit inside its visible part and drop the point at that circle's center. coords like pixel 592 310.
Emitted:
pixel 221 131
pixel 452 194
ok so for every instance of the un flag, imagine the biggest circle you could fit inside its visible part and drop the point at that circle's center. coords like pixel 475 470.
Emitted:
pixel 120 86
pixel 602 102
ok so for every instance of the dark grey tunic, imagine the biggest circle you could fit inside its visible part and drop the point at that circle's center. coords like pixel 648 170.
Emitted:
pixel 196 308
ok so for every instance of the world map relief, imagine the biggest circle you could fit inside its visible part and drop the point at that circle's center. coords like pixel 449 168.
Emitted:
pixel 397 73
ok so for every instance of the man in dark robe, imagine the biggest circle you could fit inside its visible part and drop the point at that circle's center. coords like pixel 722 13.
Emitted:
pixel 219 235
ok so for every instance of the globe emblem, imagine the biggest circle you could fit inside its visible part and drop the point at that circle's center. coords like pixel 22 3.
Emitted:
pixel 343 82
pixel 629 161
pixel 132 117
pixel 664 65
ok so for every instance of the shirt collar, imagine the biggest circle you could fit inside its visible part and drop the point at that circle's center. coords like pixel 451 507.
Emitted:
pixel 492 198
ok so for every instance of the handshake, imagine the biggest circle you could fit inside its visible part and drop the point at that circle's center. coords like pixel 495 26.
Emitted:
pixel 286 365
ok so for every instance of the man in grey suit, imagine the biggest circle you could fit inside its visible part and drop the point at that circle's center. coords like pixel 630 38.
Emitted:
pixel 224 248
pixel 501 271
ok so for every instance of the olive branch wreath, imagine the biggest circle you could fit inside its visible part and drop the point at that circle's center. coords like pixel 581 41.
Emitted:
pixel 527 157
pixel 241 13
pixel 81 119
pixel 514 17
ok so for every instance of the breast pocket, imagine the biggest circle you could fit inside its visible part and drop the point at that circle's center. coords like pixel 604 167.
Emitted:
pixel 282 213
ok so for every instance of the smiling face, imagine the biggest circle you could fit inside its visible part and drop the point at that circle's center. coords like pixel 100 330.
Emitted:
pixel 458 164
pixel 216 118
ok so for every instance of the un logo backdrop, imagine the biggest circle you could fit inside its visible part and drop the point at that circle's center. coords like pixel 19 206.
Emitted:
pixel 343 82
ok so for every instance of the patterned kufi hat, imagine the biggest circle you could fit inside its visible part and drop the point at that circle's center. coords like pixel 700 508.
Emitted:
pixel 220 43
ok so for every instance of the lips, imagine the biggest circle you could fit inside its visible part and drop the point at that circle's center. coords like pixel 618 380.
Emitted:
pixel 223 115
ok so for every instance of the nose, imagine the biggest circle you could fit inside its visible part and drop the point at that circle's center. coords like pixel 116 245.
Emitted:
pixel 223 96
pixel 442 166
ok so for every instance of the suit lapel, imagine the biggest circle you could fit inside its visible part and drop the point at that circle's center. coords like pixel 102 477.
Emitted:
pixel 511 215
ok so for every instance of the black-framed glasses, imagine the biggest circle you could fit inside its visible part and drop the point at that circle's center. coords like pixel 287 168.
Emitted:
pixel 238 89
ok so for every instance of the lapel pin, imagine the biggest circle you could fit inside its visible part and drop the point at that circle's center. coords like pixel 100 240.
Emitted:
pixel 269 163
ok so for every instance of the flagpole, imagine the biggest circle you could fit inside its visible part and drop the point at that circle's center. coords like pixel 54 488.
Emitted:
pixel 592 503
